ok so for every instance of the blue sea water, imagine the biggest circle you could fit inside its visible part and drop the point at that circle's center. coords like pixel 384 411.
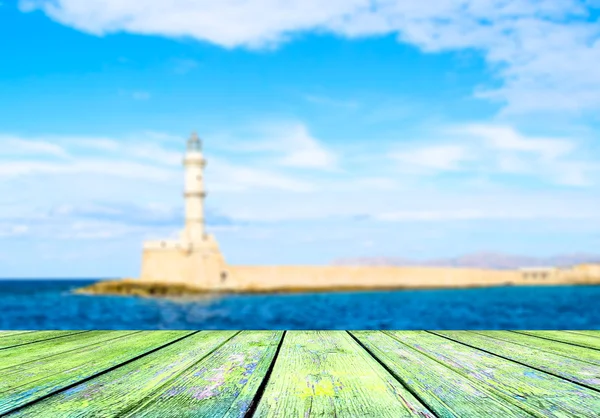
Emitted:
pixel 50 304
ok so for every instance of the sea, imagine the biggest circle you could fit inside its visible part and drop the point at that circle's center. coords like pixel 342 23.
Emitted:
pixel 52 305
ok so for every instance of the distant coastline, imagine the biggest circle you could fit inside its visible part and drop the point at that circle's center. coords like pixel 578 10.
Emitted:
pixel 362 279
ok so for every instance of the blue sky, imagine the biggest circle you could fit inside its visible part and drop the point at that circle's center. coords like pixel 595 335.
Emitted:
pixel 353 129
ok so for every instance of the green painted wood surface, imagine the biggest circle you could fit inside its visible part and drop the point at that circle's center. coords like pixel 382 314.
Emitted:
pixel 48 348
pixel 9 333
pixel 544 345
pixel 446 392
pixel 223 384
pixel 25 383
pixel 592 333
pixel 328 374
pixel 27 337
pixel 581 372
pixel 111 394
pixel 300 374
pixel 582 340
pixel 535 391
pixel 27 360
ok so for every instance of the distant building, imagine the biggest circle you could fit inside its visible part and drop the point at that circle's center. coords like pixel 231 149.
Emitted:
pixel 195 257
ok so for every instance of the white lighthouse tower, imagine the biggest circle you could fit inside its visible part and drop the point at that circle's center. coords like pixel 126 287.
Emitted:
pixel 194 193
pixel 195 258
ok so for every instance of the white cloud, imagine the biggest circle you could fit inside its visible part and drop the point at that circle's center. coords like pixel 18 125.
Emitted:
pixel 11 231
pixel 434 158
pixel 290 144
pixel 302 150
pixel 506 138
pixel 14 145
pixel 131 187
pixel 500 149
pixel 231 177
pixel 108 168
pixel 545 52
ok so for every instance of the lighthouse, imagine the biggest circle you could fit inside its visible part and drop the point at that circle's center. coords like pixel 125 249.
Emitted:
pixel 194 193
pixel 194 258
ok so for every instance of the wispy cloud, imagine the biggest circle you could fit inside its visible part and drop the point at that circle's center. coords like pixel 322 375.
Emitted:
pixel 544 53
pixel 434 158
pixel 289 144
pixel 13 145
pixel 502 150
pixel 506 138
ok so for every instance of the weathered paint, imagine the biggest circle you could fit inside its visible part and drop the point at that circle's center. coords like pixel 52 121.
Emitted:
pixel 543 345
pixel 446 392
pixel 223 384
pixel 327 374
pixel 111 394
pixel 578 371
pixel 12 339
pixel 535 391
pixel 46 349
pixel 27 382
pixel 575 338
pixel 300 373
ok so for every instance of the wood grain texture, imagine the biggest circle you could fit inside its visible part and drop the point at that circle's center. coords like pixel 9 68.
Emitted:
pixel 9 333
pixel 111 394
pixel 444 391
pixel 544 345
pixel 223 384
pixel 581 372
pixel 534 391
pixel 17 358
pixel 22 384
pixel 8 340
pixel 592 333
pixel 300 373
pixel 574 338
pixel 328 374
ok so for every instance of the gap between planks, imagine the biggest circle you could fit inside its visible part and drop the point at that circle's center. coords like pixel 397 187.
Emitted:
pixel 263 385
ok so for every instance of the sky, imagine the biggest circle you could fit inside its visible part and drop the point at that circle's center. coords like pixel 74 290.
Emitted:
pixel 338 129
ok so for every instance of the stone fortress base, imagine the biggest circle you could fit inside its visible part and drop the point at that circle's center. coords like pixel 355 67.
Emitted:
pixel 173 271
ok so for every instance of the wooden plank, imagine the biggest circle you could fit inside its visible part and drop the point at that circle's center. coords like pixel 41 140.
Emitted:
pixel 10 333
pixel 534 391
pixel 223 384
pixel 328 374
pixel 592 333
pixel 581 372
pixel 544 345
pixel 46 349
pixel 446 392
pixel 21 387
pixel 28 359
pixel 111 394
pixel 567 337
pixel 20 338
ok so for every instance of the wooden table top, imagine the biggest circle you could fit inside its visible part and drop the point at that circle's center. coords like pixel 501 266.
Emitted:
pixel 300 373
